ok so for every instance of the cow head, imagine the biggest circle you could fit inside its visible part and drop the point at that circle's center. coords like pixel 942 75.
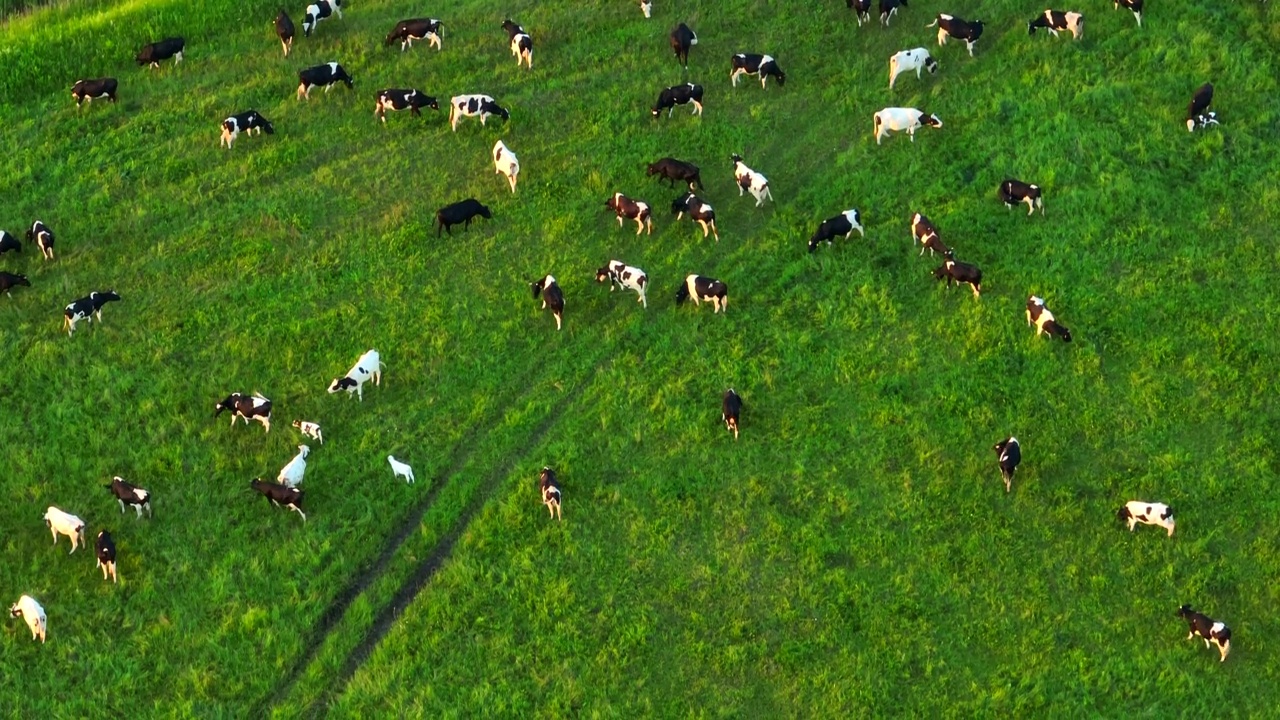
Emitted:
pixel 537 286
pixel 930 64
pixel 15 611
pixel 1186 612
pixel 267 127
pixel 682 294
pixel 602 274
pixel 494 108
pixel 931 121
pixel 227 404
pixel 21 280
pixel 680 204
pixel 342 383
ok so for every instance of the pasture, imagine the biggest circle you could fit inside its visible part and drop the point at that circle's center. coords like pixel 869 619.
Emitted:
pixel 852 554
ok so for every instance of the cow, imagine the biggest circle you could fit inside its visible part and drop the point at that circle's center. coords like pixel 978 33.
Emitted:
pixel 673 170
pixel 682 38
pixel 961 273
pixel 550 491
pixel 86 307
pixel 9 281
pixel 952 26
pixel 395 99
pixel 246 407
pixel 284 31
pixel 749 179
pixel 481 106
pixel 368 367
pixel 751 64
pixel 521 43
pixel 399 469
pixel 131 495
pixel 318 11
pixel 245 122
pixel 638 210
pixel 625 278
pixel 460 213
pixel 9 242
pixel 295 470
pixel 310 429
pixel 326 76
pixel 162 50
pixel 1013 192
pixel 861 8
pixel 731 411
pixel 908 60
pixel 105 549
pixel 1196 109
pixel 700 211
pixel 897 119
pixel 552 296
pixel 675 95
pixel 64 523
pixel 280 495
pixel 406 31
pixel 1040 316
pixel 1009 454
pixel 1056 20
pixel 90 90
pixel 646 7
pixel 1147 513
pixel 506 163
pixel 841 225
pixel 1133 5
pixel 29 610
pixel 1209 630
pixel 924 232
pixel 42 236
pixel 889 8
pixel 704 288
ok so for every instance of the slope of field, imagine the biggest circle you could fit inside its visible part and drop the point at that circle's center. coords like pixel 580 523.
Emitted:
pixel 852 553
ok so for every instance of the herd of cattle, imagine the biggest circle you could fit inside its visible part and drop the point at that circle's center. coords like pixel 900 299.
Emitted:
pixel 285 492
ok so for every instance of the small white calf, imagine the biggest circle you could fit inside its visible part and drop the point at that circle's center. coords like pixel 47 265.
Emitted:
pixel 1137 511
pixel 908 60
pixel 899 119
pixel 401 470
pixel 63 523
pixel 368 367
pixel 310 429
pixel 28 609
pixel 749 179
pixel 291 475
pixel 506 163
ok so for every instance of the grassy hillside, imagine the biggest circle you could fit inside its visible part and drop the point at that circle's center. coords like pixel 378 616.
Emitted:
pixel 853 553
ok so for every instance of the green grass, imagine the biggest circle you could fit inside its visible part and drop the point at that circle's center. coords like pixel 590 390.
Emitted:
pixel 853 554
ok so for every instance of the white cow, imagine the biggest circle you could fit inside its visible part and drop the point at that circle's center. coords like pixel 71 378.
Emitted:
pixel 369 366
pixel 291 474
pixel 28 609
pixel 400 469
pixel 1137 511
pixel 899 119
pixel 749 179
pixel 908 60
pixel 64 523
pixel 506 163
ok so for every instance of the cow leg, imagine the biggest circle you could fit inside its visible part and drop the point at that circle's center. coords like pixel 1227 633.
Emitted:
pixel 557 315
pixel 1031 205
pixel 639 226
pixel 697 108
pixel 137 509
pixel 178 58
pixel 619 221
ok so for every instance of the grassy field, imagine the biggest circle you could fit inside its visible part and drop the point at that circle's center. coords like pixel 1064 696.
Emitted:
pixel 853 554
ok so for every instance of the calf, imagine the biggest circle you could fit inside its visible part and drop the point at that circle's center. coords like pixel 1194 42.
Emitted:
pixel 280 495
pixel 395 99
pixel 9 242
pixel 163 50
pixel 63 523
pixel 1196 109
pixel 625 278
pixel 130 495
pixel 731 411
pixel 1209 630
pixel 309 429
pixel 86 307
pixel 1137 511
pixel 399 469
pixel 1038 314
pixel 951 26
pixel 481 106
pixel 318 11
pixel 862 8
pixel 674 170
pixel 245 122
pixel 1055 20
pixel 42 236
pixel 292 473
pixel 406 31
pixel 638 210
pixel 284 31
pixel 675 95
pixel 889 8
pixel 961 273
pixel 521 43
pixel 368 367
pixel 924 232
pixel 460 213
pixel 1013 192
pixel 908 60
pixel 841 225
pixel 682 38
pixel 699 211
pixel 1134 5
pixel 704 288
pixel 749 179
pixel 29 610
pixel 246 407
pixel 90 90
pixel 326 76
pixel 106 551
pixel 899 119
pixel 1009 454
pixel 506 163
pixel 550 491
pixel 751 64
pixel 551 296
pixel 8 281
pixel 646 7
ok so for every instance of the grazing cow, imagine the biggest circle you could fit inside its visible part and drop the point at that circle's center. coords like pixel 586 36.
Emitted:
pixel 472 106
pixel 506 163
pixel 326 76
pixel 460 213
pixel 675 95
pixel 399 469
pixel 1210 630
pixel 63 523
pixel 309 429
pixel 85 307
pixel 406 31
pixel 246 407
pixel 625 278
pixel 731 411
pixel 1196 115
pixel 245 122
pixel 908 60
pixel 646 7
pixel 959 272
pixel 1138 511
pixel 625 207
pixel 1010 454
pixel 292 473
pixel 1013 192
pixel 1038 314
pixel 521 43
pixel 682 38
pixel 8 281
pixel 862 8
pixel 952 26
pixel 284 31
pixel 551 296
pixel 889 8
pixel 280 495
pixel 674 170
pixel 897 119
pixel 1055 20
pixel 90 90
pixel 700 211
pixel 1133 5
pixel 550 491
pixel 318 11
pixel 843 224
pixel 368 367
pixel 106 551
pixel 28 609
pixel 400 99
pixel 924 232
pixel 751 64
pixel 42 236
pixel 704 288
pixel 749 179
pixel 130 495
pixel 163 50
pixel 9 242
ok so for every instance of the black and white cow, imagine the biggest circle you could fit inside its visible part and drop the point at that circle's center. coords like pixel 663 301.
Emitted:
pixel 105 548
pixel 245 122
pixel 90 90
pixel 42 236
pixel 280 495
pixel 907 60
pixel 924 232
pixel 862 8
pixel 481 106
pixel 1040 316
pixel 889 8
pixel 731 411
pixel 752 64
pixel 131 495
pixel 506 163
pixel 1134 5
pixel 9 281
pixel 406 31
pixel 246 407
pixel 960 273
pixel 897 119
pixel 284 31
pixel 1056 20
pixel 1147 513
pixel 682 38
pixel 700 211
pixel 638 210
pixel 1009 454
pixel 625 277
pixel 86 307
pixel 952 26
pixel 521 43
pixel 1013 192
pixel 318 11
pixel 1196 109
pixel 403 99
pixel 326 76
pixel 551 295
pixel 674 170
pixel 675 95
pixel 162 50
pixel 704 288
pixel 749 179
pixel 367 367
pixel 841 225
pixel 9 242
pixel 462 212
pixel 550 488
pixel 1209 630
